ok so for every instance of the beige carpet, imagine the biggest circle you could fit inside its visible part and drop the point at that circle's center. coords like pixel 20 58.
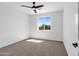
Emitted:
pixel 26 48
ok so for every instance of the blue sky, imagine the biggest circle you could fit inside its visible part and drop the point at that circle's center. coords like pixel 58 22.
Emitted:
pixel 44 20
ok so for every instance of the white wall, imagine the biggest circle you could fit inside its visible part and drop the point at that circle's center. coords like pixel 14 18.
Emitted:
pixel 56 32
pixel 13 25
pixel 69 27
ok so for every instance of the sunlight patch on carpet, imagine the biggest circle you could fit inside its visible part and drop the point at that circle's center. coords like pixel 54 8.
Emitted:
pixel 35 40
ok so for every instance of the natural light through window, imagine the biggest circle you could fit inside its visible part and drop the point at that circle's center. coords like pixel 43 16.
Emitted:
pixel 44 23
pixel 35 40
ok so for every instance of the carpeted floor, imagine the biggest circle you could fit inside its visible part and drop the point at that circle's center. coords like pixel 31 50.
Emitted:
pixel 38 48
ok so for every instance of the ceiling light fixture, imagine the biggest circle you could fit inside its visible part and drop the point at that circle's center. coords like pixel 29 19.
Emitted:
pixel 34 7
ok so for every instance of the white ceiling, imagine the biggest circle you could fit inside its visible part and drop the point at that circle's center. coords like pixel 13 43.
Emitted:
pixel 48 6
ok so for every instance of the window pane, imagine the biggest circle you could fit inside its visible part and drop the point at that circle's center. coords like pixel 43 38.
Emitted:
pixel 44 23
pixel 41 27
pixel 47 27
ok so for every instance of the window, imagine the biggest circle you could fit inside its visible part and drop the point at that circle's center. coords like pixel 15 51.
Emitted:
pixel 44 23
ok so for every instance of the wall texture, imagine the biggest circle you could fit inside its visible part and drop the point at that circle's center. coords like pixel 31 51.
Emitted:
pixel 70 33
pixel 13 25
pixel 56 32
